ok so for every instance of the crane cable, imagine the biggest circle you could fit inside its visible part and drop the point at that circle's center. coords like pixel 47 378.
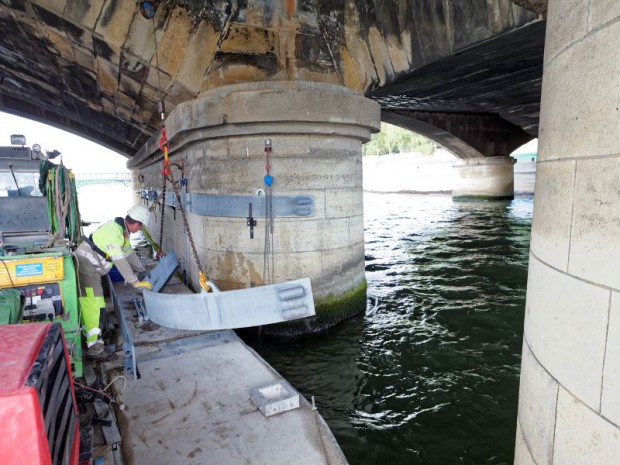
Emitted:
pixel 166 173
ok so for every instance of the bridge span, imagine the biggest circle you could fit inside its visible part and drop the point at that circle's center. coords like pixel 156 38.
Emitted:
pixel 291 90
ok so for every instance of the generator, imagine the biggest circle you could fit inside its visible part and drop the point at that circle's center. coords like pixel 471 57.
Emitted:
pixel 46 284
pixel 39 422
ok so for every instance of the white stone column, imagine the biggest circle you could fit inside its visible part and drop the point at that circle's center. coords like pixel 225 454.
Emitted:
pixel 316 132
pixel 569 400
pixel 488 178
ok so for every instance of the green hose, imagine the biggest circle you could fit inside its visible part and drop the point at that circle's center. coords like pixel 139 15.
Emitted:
pixel 57 184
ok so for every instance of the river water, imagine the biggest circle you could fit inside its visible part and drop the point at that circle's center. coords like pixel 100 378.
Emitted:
pixel 431 374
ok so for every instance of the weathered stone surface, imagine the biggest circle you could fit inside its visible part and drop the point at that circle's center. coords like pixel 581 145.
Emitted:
pixel 522 453
pixel 582 437
pixel 610 400
pixel 594 247
pixel 566 328
pixel 203 46
pixel 537 411
pixel 553 210
pixel 220 142
pixel 579 123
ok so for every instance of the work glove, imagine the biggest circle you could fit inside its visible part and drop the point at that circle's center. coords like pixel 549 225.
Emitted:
pixel 142 275
pixel 141 285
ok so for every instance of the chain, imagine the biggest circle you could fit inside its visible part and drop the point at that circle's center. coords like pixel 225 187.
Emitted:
pixel 203 279
pixel 268 261
pixel 163 209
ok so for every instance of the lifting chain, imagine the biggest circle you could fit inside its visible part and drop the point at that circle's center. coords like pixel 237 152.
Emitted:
pixel 166 173
pixel 202 276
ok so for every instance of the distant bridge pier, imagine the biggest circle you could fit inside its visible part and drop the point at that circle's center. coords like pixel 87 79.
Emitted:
pixel 316 133
pixel 476 140
pixel 486 178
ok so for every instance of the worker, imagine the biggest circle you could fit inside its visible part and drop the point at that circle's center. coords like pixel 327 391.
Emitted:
pixel 108 245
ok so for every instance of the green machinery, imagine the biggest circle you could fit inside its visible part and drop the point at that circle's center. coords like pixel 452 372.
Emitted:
pixel 37 282
pixel 40 285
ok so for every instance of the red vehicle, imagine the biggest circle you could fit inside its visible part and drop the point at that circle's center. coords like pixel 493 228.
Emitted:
pixel 38 413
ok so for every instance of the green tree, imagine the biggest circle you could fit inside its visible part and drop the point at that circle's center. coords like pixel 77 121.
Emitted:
pixel 393 139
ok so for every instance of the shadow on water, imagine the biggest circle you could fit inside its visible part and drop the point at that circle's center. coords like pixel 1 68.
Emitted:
pixel 431 375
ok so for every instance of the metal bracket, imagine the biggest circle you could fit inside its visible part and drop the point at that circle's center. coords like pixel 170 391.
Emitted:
pixel 129 351
pixel 236 206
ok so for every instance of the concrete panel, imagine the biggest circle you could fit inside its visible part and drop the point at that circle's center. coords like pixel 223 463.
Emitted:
pixel 566 326
pixel 538 393
pixel 602 12
pixel 610 400
pixel 575 123
pixel 522 453
pixel 568 20
pixel 595 247
pixel 582 437
pixel 551 219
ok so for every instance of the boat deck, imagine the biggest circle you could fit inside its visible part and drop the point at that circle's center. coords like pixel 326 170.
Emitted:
pixel 192 405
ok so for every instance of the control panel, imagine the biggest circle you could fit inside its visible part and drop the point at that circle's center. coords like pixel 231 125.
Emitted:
pixel 43 301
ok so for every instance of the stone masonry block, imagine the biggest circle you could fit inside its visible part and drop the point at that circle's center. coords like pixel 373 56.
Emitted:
pixel 565 327
pixel 538 394
pixel 282 146
pixel 174 38
pixel 320 173
pixel 297 265
pixel 552 212
pixel 55 6
pixel 575 123
pixel 343 203
pixel 83 13
pixel 595 250
pixel 522 453
pixel 568 19
pixel 602 12
pixel 581 436
pixel 610 402
pixel 115 22
pixel 198 57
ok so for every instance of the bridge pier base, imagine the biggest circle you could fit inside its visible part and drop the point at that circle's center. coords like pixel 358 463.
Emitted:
pixel 485 178
pixel 316 133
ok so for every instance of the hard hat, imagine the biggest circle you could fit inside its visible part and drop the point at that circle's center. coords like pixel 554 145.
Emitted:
pixel 139 213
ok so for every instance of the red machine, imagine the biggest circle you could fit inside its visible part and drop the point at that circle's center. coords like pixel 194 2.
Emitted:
pixel 38 413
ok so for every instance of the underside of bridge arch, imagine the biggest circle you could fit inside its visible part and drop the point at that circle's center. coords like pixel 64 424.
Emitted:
pixel 467 136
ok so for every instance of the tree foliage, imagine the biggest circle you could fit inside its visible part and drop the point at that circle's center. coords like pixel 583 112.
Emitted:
pixel 393 139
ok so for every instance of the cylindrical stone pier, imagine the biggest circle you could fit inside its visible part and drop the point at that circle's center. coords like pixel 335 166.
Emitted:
pixel 569 399
pixel 485 178
pixel 316 132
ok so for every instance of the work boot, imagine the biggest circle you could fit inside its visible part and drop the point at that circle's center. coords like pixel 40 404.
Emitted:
pixel 98 353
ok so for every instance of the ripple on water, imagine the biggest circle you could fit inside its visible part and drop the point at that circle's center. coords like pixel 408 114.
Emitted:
pixel 431 375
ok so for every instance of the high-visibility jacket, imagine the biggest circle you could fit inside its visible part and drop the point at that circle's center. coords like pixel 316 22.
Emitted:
pixel 109 245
